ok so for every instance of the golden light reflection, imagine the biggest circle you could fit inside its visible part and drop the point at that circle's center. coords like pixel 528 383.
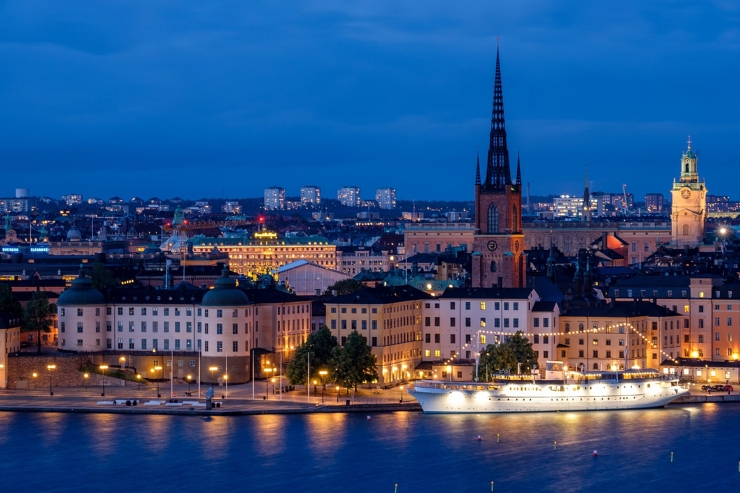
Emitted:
pixel 327 432
pixel 271 438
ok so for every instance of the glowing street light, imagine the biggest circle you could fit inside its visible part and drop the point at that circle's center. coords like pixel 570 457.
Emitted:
pixel 103 368
pixel 86 376
pixel 268 371
pixel 188 378
pixel 50 367
pixel 157 368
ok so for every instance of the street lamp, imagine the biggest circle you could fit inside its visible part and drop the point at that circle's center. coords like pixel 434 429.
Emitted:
pixel 103 368
pixel 138 382
pixel 323 374
pixel 226 381
pixel 34 379
pixel 122 359
pixel 157 368
pixel 86 376
pixel 188 377
pixel 268 371
pixel 212 369
pixel 50 367
pixel 401 387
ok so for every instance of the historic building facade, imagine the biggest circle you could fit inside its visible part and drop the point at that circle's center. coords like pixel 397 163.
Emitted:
pixel 498 257
pixel 689 203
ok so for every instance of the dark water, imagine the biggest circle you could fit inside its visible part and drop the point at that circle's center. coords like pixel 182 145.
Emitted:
pixel 339 453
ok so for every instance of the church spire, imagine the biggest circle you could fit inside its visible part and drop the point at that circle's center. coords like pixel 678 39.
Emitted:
pixel 586 199
pixel 477 169
pixel 518 168
pixel 498 173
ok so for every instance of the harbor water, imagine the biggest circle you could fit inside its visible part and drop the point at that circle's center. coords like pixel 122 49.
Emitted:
pixel 349 452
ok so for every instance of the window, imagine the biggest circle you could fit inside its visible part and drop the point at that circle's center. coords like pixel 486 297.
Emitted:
pixel 131 343
pixel 143 326
pixel 155 311
pixel 61 312
pixel 374 324
pixel 219 313
pixel 482 305
pixel 716 336
pixel 235 346
pixel 143 310
pixel 701 339
pixel 515 305
pixel 482 322
pixel 436 321
pixel 427 321
pixel 536 338
pixel 467 322
pixel 177 345
pixel 596 353
pixel 452 338
pixel 131 310
pixel 177 326
pixel 506 305
pixel 536 322
pixel 701 323
pixel 545 322
pixel 492 219
pixel 545 354
pixel 452 321
pixel 467 305
pixel 516 322
pixel 120 312
pixel 79 327
pixel 205 312
pixel 452 305
pixel 701 308
pixel 177 312
pixel 506 323
pixel 131 326
pixel 167 327
pixel 436 338
pixel 427 338
pixel 205 345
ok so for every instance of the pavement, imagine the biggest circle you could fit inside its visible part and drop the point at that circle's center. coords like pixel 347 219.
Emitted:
pixel 237 399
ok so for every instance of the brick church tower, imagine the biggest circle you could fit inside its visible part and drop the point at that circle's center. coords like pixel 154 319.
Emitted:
pixel 498 257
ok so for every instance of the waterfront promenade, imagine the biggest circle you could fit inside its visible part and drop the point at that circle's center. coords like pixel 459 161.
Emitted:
pixel 238 401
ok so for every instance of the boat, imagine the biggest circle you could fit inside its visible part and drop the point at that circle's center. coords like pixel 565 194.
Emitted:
pixel 561 390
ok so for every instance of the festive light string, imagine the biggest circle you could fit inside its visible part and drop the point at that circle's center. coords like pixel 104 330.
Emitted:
pixel 592 331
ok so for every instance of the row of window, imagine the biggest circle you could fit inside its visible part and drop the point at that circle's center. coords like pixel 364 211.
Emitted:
pixel 353 324
pixel 281 310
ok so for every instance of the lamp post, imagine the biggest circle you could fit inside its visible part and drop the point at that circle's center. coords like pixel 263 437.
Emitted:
pixel 122 359
pixel 268 371
pixel 401 387
pixel 138 382
pixel 155 369
pixel 323 374
pixel 103 368
pixel 188 377
pixel 34 379
pixel 212 369
pixel 50 368
pixel 273 385
pixel 226 381
pixel 86 376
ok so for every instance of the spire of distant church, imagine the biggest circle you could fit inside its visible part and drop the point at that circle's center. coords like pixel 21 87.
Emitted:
pixel 586 199
pixel 518 168
pixel 498 173
pixel 477 169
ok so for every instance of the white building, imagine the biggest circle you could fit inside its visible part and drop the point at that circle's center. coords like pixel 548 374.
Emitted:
pixel 13 205
pixel 231 207
pixel 307 278
pixel 72 199
pixel 571 206
pixel 349 196
pixel 274 198
pixel 386 198
pixel 310 196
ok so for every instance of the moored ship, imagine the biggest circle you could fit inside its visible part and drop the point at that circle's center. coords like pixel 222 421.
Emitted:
pixel 572 391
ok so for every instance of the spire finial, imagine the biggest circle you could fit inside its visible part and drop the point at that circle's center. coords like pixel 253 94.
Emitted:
pixel 477 168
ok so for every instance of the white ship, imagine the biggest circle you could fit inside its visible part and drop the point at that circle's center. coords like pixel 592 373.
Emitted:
pixel 562 390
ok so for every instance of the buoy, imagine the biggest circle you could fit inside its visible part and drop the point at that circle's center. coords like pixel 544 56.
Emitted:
pixel 479 438
pixel 368 418
pixel 596 453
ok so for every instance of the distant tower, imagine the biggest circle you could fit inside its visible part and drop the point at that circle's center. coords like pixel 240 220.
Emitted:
pixel 586 201
pixel 689 203
pixel 498 240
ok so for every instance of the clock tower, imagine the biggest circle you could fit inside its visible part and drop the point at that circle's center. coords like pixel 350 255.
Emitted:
pixel 498 243
pixel 689 204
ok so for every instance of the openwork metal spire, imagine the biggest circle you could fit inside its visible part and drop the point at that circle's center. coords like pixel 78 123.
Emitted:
pixel 477 169
pixel 498 173
pixel 518 168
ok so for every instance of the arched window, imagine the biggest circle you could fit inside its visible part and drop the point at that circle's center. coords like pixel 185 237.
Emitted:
pixel 596 366
pixel 580 327
pixel 567 327
pixel 492 219
pixel 493 266
pixel 686 229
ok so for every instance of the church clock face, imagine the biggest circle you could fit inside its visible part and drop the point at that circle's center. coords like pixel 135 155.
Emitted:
pixel 685 193
pixel 492 245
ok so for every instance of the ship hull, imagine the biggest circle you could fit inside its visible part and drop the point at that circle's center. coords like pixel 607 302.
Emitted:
pixel 523 397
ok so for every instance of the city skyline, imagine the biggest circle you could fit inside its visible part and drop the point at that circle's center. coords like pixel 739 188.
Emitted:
pixel 146 101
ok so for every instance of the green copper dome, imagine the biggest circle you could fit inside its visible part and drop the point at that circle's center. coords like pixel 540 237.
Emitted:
pixel 81 292
pixel 225 292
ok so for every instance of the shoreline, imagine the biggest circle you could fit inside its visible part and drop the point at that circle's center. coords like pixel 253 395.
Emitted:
pixel 238 407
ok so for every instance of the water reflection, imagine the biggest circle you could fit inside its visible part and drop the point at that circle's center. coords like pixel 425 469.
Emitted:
pixel 269 435
pixel 325 433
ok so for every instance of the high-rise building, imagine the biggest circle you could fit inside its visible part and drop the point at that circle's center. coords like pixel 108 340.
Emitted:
pixel 349 196
pixel 274 198
pixel 72 199
pixel 654 202
pixel 231 207
pixel 13 205
pixel 386 198
pixel 689 203
pixel 498 257
pixel 571 206
pixel 310 196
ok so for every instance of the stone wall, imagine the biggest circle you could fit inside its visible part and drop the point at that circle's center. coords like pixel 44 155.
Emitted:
pixel 22 366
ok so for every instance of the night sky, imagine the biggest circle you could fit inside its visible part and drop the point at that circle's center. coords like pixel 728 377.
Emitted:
pixel 222 99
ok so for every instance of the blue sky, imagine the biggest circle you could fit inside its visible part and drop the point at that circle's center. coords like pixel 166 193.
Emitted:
pixel 212 99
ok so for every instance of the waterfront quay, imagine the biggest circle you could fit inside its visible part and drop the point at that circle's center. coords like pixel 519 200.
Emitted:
pixel 237 400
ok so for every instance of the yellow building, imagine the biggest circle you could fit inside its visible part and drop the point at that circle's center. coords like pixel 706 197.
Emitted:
pixel 10 342
pixel 265 252
pixel 391 320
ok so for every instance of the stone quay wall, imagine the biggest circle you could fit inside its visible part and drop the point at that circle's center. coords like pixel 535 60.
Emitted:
pixel 22 366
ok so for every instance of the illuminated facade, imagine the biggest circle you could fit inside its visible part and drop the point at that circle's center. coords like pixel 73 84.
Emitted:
pixel 386 198
pixel 688 203
pixel 274 198
pixel 265 252
pixel 310 196
pixel 349 196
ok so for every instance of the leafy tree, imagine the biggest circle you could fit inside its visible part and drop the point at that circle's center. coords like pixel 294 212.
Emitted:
pixel 38 315
pixel 320 346
pixel 8 303
pixel 506 356
pixel 347 286
pixel 102 278
pixel 354 363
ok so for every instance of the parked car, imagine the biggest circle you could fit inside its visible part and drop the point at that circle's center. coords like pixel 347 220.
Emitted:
pixel 707 388
pixel 729 388
pixel 718 388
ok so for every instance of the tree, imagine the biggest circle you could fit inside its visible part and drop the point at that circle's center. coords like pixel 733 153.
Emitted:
pixel 506 357
pixel 320 346
pixel 8 303
pixel 354 363
pixel 102 278
pixel 38 315
pixel 347 286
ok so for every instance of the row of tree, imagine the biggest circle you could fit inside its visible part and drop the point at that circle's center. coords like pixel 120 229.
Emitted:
pixel 513 355
pixel 347 366
pixel 37 316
